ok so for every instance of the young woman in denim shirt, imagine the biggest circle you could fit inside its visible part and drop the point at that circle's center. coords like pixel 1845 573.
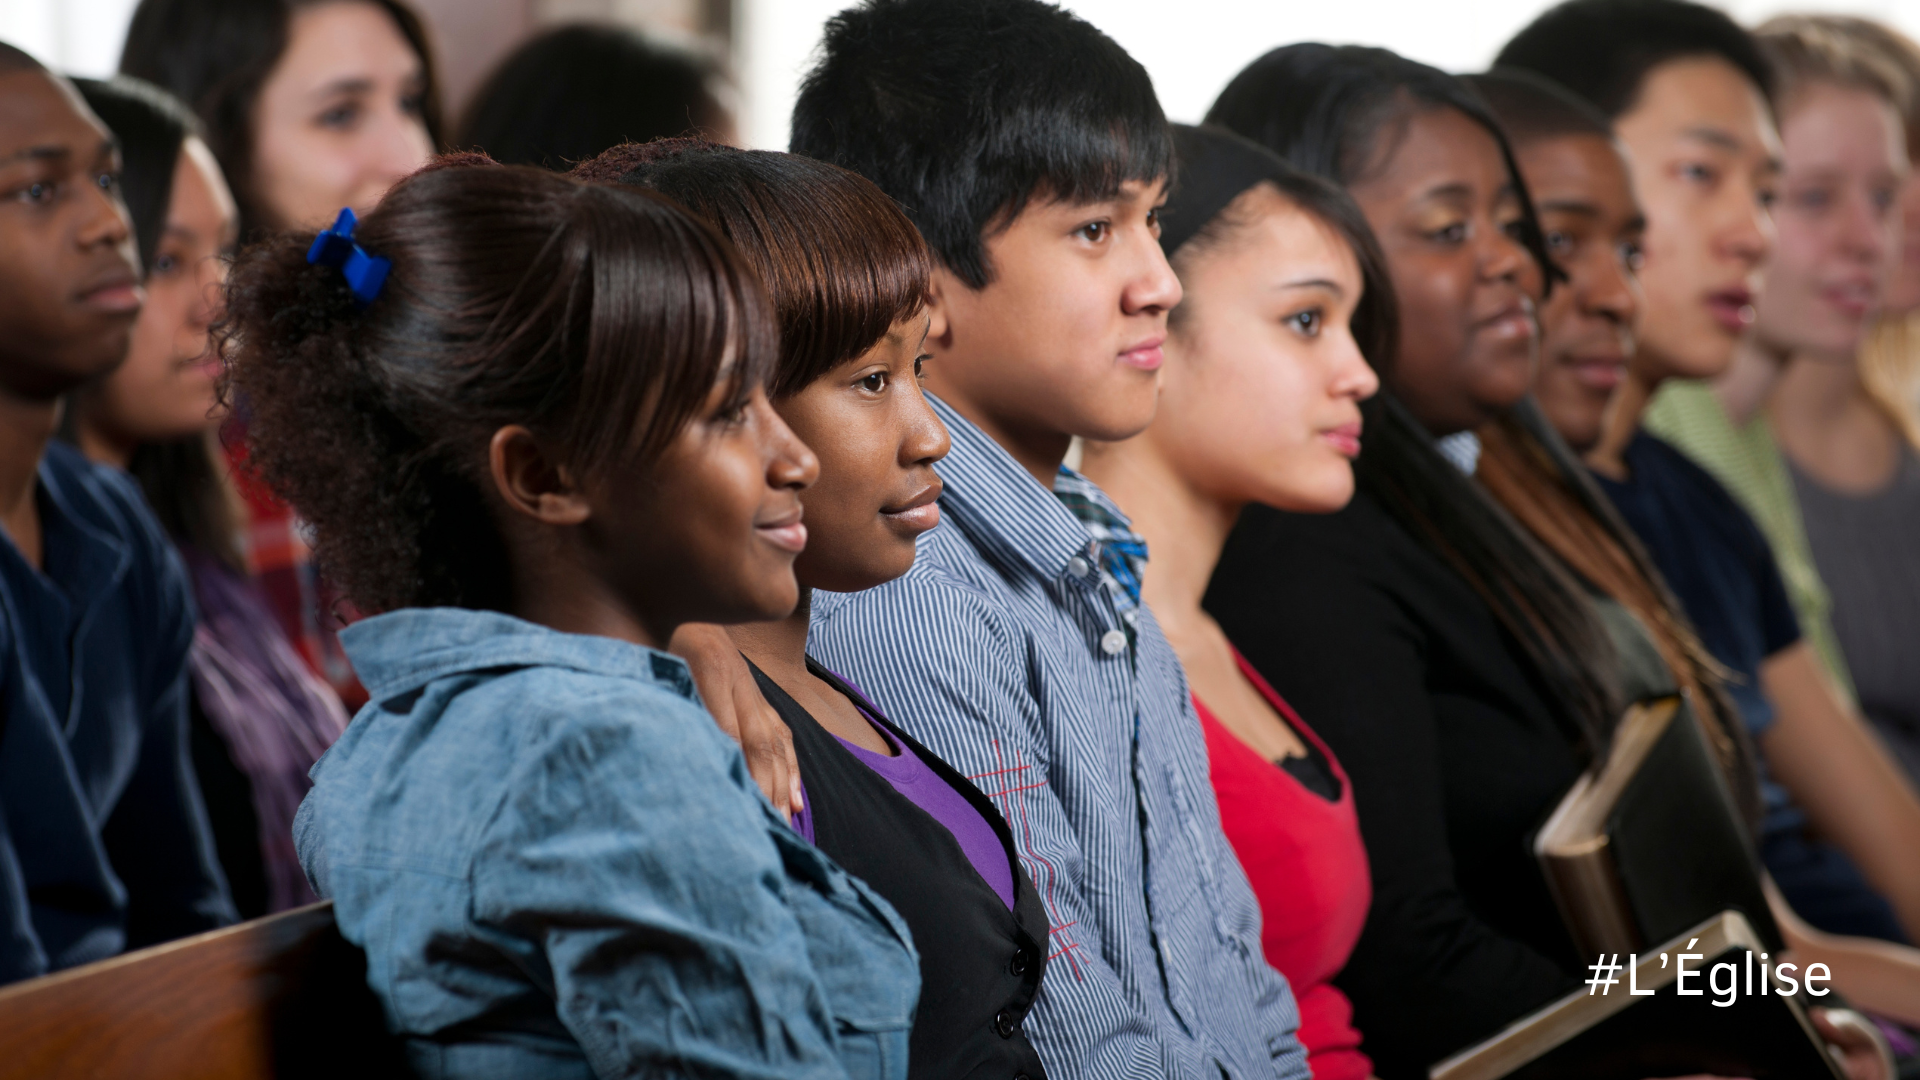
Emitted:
pixel 848 275
pixel 537 448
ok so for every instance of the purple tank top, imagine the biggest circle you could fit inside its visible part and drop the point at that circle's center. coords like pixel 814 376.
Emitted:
pixel 912 778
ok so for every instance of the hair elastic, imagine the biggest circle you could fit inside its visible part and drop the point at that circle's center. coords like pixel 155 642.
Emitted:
pixel 365 273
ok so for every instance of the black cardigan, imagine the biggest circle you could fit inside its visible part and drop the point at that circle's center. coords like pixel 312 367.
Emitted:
pixel 980 964
pixel 1454 753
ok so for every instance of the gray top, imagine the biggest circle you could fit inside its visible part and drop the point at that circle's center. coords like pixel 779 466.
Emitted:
pixel 1867 547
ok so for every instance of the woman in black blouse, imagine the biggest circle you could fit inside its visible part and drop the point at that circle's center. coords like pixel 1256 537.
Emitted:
pixel 848 274
pixel 1470 643
pixel 1462 676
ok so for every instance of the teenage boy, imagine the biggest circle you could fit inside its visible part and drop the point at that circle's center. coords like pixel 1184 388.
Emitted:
pixel 103 842
pixel 1031 151
pixel 1687 91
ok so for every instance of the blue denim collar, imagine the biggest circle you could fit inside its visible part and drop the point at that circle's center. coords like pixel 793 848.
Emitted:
pixel 407 649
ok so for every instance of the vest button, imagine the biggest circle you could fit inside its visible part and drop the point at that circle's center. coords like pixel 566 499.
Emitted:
pixel 1020 962
pixel 1113 642
pixel 1006 1023
pixel 1021 1076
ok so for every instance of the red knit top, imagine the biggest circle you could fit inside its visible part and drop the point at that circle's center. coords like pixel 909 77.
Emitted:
pixel 1304 856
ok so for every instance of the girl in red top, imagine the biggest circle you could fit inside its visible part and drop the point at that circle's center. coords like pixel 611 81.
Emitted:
pixel 1286 299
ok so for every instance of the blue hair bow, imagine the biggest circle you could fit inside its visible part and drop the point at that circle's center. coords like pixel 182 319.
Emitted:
pixel 365 273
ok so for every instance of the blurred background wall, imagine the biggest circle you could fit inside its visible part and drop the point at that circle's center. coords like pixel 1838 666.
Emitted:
pixel 1192 47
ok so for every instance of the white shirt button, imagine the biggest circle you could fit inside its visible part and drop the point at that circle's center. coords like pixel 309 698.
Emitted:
pixel 1113 642
pixel 1078 566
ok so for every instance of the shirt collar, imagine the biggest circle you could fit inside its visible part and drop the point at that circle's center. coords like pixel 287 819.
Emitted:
pixel 1122 552
pixel 1462 449
pixel 993 498
pixel 81 562
pixel 406 649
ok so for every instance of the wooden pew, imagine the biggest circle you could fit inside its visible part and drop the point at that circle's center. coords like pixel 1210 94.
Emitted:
pixel 279 997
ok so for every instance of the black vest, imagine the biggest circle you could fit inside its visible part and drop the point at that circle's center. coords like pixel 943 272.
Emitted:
pixel 980 964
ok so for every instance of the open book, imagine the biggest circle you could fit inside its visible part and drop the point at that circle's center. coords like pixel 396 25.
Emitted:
pixel 1758 1032
pixel 1650 842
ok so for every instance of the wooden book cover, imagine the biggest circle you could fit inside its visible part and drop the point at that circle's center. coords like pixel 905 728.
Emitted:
pixel 1650 842
pixel 1616 1035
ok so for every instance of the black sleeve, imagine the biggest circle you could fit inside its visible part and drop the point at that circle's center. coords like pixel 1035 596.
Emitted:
pixel 1312 605
pixel 1779 626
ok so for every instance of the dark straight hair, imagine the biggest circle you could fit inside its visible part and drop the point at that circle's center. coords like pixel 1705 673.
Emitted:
pixel 966 111
pixel 599 317
pixel 216 54
pixel 1336 111
pixel 151 126
pixel 182 479
pixel 576 91
pixel 1532 107
pixel 1216 158
pixel 1602 50
pixel 840 260
pixel 14 59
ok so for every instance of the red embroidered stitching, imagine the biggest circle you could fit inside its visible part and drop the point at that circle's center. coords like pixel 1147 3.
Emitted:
pixel 1027 855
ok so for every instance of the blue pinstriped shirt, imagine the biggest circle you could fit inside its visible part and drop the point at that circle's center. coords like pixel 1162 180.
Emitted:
pixel 1005 653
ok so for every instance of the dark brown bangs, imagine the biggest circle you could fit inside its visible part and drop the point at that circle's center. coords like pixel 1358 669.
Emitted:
pixel 672 289
pixel 840 260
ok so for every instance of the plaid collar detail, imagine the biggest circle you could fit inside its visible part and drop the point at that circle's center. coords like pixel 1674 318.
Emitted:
pixel 1122 552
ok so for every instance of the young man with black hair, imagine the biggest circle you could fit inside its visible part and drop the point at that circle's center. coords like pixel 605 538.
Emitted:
pixel 1687 91
pixel 1032 153
pixel 103 841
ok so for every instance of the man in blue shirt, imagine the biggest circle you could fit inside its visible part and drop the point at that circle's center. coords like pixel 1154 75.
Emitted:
pixel 1032 153
pixel 103 840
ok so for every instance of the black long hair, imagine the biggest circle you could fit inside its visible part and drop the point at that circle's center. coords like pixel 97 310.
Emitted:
pixel 182 479
pixel 1328 110
pixel 576 91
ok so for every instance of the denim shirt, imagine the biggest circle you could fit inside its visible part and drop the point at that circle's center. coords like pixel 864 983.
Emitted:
pixel 559 867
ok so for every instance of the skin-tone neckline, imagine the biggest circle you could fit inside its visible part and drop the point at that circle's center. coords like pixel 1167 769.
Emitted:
pixel 1621 423
pixel 25 429
pixel 1830 428
pixel 780 650
pixel 97 446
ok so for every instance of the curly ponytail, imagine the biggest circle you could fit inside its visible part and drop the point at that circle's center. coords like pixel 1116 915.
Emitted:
pixel 597 317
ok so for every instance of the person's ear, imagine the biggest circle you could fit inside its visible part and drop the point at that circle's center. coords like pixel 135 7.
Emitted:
pixel 532 482
pixel 940 296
